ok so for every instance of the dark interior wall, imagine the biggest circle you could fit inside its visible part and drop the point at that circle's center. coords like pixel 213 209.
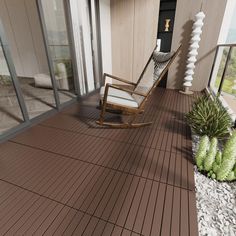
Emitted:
pixel 167 12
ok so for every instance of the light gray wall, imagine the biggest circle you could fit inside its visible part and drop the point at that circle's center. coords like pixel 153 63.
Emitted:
pixel 185 12
pixel 21 22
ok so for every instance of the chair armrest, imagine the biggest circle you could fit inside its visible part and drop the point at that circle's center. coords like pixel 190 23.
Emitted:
pixel 119 79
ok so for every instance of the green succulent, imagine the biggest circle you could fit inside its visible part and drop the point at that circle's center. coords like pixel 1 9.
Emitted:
pixel 219 157
pixel 217 165
pixel 228 159
pixel 202 151
pixel 211 154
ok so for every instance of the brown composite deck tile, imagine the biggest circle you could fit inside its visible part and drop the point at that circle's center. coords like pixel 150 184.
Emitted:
pixel 101 154
pixel 67 176
pixel 107 231
pixel 142 162
pixel 131 208
pixel 68 125
pixel 144 136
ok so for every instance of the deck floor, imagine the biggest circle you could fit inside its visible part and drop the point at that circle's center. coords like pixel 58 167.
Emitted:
pixel 67 176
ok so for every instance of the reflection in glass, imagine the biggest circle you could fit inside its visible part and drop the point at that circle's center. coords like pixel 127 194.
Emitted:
pixel 229 84
pixel 28 55
pixel 10 112
pixel 57 37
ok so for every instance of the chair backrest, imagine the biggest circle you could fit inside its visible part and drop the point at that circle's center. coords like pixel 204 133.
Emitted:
pixel 153 73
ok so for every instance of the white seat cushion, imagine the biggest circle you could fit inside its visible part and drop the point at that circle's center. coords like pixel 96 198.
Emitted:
pixel 119 97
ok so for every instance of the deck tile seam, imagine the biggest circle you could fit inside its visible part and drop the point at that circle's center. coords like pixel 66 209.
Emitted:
pixel 154 207
pixel 65 205
pixel 169 139
pixel 49 198
pixel 97 136
pixel 110 171
pixel 67 156
pixel 120 192
pixel 163 207
pixel 134 195
pixel 106 167
pixel 79 210
pixel 31 204
pixel 120 178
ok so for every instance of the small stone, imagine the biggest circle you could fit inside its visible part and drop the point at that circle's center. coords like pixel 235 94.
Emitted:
pixel 215 204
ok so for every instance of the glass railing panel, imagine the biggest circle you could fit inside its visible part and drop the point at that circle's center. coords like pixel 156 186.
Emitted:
pixel 218 69
pixel 228 90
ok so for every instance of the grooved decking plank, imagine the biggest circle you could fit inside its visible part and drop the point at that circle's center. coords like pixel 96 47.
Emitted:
pixel 68 176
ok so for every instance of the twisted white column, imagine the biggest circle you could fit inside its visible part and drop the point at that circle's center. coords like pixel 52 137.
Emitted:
pixel 193 51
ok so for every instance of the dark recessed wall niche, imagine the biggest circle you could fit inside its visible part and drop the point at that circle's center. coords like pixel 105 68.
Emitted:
pixel 167 12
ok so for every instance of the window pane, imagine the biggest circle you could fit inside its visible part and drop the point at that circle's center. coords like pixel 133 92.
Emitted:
pixel 55 20
pixel 10 112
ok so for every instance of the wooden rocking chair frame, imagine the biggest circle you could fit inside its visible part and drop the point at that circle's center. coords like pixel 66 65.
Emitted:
pixel 133 112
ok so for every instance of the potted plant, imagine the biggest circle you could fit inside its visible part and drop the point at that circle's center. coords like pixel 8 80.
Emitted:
pixel 211 123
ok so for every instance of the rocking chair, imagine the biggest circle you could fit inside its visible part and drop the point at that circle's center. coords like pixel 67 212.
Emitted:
pixel 131 101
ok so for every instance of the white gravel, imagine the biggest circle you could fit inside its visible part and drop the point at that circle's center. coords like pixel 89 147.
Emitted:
pixel 216 204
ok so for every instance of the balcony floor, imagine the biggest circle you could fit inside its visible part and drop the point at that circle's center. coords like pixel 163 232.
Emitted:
pixel 67 176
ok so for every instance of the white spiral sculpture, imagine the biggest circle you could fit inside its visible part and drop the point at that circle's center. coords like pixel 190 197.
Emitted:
pixel 192 55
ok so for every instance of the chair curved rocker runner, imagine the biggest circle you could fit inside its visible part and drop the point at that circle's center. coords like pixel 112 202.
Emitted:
pixel 131 101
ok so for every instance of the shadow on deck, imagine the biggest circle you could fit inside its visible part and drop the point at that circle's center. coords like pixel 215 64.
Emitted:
pixel 68 176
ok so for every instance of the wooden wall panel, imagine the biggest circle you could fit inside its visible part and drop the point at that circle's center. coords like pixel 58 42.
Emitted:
pixel 145 33
pixel 122 22
pixel 214 11
pixel 134 31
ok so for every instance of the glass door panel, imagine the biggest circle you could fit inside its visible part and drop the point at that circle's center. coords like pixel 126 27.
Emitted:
pixel 53 15
pixel 10 111
pixel 25 42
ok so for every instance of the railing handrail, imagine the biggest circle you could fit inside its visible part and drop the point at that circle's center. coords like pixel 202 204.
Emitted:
pixel 226 45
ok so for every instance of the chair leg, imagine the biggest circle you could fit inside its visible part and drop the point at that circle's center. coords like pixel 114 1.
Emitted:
pixel 103 111
pixel 132 119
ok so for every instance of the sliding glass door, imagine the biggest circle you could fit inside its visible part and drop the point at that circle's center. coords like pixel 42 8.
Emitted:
pixel 12 113
pixel 68 27
pixel 54 22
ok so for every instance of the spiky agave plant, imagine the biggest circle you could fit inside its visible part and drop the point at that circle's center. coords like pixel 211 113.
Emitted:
pixel 209 117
